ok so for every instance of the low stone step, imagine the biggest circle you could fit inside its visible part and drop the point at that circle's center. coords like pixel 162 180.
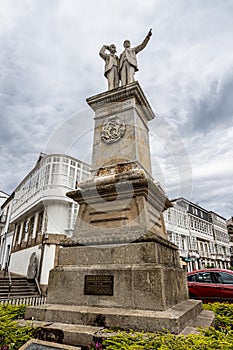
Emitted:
pixel 17 287
pixel 174 319
pixel 205 319
pixel 82 335
pixel 77 335
pixel 21 288
pixel 21 293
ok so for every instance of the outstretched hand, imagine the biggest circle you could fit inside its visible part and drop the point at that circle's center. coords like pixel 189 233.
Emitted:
pixel 150 32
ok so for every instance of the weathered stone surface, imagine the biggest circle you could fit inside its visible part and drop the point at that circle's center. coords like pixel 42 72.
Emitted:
pixel 119 269
pixel 205 318
pixel 143 274
pixel 131 106
pixel 118 209
pixel 164 253
pixel 134 287
pixel 85 335
pixel 173 319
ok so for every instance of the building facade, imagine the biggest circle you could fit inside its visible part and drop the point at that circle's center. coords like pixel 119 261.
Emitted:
pixel 200 235
pixel 230 233
pixel 42 215
pixel 6 230
pixel 3 198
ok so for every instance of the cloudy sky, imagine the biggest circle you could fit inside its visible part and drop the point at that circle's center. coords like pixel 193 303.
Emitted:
pixel 49 65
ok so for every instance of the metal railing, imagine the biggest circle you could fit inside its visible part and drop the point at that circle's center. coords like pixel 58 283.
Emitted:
pixel 7 272
pixel 38 286
pixel 10 284
pixel 33 301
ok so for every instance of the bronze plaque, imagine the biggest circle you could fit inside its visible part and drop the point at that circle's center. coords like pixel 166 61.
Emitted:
pixel 98 285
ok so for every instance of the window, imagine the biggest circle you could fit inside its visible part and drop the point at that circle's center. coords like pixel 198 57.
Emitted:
pixel 25 229
pixel 72 215
pixel 47 173
pixel 204 277
pixel 17 232
pixel 30 227
pixel 40 223
pixel 183 242
pixel 226 278
pixel 192 278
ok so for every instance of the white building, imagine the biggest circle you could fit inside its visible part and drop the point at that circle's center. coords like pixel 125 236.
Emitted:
pixel 6 229
pixel 43 215
pixel 221 240
pixel 3 197
pixel 200 235
pixel 230 233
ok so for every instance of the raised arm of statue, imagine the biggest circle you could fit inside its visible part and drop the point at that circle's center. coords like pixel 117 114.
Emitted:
pixel 102 52
pixel 144 43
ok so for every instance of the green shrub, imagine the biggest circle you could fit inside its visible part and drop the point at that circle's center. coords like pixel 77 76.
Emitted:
pixel 220 338
pixel 12 336
pixel 211 339
pixel 223 315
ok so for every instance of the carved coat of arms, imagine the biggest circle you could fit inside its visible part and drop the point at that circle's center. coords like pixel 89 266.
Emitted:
pixel 113 129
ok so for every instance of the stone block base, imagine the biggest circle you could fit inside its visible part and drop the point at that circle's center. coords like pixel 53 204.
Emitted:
pixel 174 319
pixel 145 276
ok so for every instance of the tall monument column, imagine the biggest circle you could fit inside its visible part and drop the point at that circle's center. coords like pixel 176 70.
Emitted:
pixel 119 255
pixel 119 269
pixel 120 203
pixel 121 128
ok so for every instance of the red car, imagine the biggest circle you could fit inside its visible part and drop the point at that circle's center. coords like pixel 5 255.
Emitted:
pixel 211 285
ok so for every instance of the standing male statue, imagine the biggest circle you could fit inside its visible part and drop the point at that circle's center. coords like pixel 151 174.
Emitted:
pixel 128 61
pixel 111 65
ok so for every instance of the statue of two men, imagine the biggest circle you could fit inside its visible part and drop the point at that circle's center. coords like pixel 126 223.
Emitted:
pixel 123 68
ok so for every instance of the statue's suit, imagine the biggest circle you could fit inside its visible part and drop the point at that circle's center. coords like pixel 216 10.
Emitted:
pixel 111 70
pixel 128 62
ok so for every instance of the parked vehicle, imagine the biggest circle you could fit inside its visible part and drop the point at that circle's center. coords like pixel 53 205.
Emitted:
pixel 211 285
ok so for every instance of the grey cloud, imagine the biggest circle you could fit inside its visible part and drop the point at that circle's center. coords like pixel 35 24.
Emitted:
pixel 49 65
pixel 215 110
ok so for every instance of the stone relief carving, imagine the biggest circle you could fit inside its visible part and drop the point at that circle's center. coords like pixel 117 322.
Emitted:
pixel 32 267
pixel 113 129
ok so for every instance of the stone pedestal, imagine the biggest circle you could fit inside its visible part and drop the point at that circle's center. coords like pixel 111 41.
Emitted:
pixel 119 269
pixel 120 203
pixel 141 276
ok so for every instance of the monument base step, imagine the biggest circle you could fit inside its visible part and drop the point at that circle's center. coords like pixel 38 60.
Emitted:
pixel 174 319
pixel 76 335
pixel 203 320
pixel 85 335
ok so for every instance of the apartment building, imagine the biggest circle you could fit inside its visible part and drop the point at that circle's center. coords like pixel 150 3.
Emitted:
pixel 6 229
pixel 230 233
pixel 201 235
pixel 42 215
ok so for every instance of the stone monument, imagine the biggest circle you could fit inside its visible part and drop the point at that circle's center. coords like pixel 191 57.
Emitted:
pixel 119 269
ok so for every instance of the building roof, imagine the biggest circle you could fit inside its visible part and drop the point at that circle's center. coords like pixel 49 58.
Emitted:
pixel 3 194
pixel 198 206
